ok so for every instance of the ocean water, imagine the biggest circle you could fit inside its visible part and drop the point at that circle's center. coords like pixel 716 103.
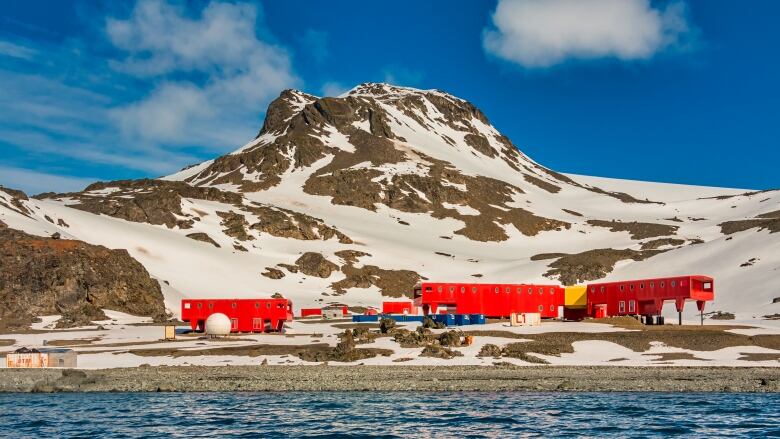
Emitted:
pixel 324 415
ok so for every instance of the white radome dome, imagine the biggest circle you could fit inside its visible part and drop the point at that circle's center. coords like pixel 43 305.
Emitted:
pixel 218 324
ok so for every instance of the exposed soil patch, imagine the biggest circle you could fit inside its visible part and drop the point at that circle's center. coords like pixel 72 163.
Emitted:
pixel 538 182
pixel 761 223
pixel 437 351
pixel 672 356
pixel 657 243
pixel 235 226
pixel 756 356
pixel 315 264
pixel 273 273
pixel 589 265
pixel 247 351
pixel 75 342
pixel 144 201
pixel 203 237
pixel 391 283
pixel 286 223
pixel 572 212
pixel 636 229
pixel 556 343
pixel 350 257
pixel 721 315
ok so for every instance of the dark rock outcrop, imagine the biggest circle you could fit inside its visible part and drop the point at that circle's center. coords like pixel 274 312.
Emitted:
pixel 203 237
pixel 44 276
pixel 589 265
pixel 314 264
pixel 145 200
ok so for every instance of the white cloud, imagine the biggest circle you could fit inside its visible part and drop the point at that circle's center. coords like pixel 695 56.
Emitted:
pixel 399 75
pixel 334 89
pixel 240 73
pixel 542 33
pixel 13 50
pixel 34 182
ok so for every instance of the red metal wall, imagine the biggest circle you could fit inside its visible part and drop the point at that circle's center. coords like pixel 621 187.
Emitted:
pixel 492 300
pixel 308 312
pixel 397 307
pixel 647 296
pixel 246 315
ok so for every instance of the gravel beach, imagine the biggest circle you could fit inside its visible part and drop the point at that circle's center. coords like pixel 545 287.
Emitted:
pixel 392 378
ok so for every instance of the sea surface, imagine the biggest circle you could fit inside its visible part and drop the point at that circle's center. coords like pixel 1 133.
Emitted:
pixel 324 415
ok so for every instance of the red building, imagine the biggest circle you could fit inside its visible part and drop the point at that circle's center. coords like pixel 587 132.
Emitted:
pixel 492 300
pixel 311 312
pixel 246 315
pixel 399 307
pixel 646 297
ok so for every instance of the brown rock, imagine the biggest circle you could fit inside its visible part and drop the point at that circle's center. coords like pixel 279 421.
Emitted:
pixel 45 276
pixel 314 264
pixel 203 237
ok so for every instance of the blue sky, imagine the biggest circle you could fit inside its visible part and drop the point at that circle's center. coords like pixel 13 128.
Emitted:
pixel 681 91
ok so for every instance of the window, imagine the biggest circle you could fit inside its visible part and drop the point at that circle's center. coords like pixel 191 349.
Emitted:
pixel 200 305
pixel 519 290
pixel 496 290
pixel 257 304
pixel 592 289
pixel 631 287
pixel 622 288
pixel 552 290
pixel 707 285
pixel 662 284
pixel 506 290
pixel 674 283
pixel 552 307
pixel 211 306
pixel 440 289
pixel 652 284
pixel 541 308
pixel 233 305
pixel 642 286
pixel 268 305
pixel 452 289
pixel 187 305
pixel 602 289
pixel 473 289
pixel 541 290
pixel 622 306
pixel 462 289
pixel 530 291
pixel 631 306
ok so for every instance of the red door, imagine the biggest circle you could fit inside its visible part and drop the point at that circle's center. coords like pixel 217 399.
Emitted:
pixel 601 311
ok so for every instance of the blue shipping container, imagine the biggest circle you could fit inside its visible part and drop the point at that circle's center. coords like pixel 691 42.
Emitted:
pixel 477 319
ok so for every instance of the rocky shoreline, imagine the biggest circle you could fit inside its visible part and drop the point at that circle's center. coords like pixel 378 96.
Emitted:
pixel 392 378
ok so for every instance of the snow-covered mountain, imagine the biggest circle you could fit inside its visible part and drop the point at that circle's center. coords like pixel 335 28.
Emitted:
pixel 351 198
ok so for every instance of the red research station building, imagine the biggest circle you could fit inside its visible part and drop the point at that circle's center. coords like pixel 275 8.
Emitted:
pixel 398 307
pixel 491 300
pixel 246 315
pixel 646 297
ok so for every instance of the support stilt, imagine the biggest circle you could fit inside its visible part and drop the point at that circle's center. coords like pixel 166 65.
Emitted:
pixel 679 318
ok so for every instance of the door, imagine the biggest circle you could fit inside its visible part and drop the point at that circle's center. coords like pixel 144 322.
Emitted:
pixel 601 311
pixel 257 324
pixel 234 325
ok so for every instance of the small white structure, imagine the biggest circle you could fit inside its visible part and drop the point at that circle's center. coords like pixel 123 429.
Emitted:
pixel 218 325
pixel 525 319
pixel 42 357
